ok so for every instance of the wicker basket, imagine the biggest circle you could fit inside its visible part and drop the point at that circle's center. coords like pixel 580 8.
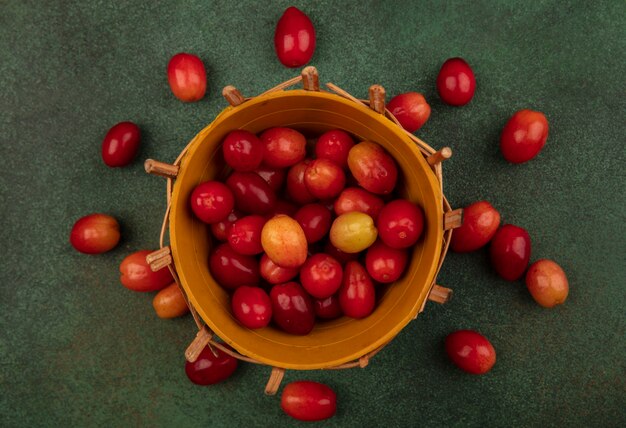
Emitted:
pixel 338 344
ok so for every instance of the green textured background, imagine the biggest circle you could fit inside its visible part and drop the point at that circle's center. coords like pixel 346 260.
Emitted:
pixel 77 349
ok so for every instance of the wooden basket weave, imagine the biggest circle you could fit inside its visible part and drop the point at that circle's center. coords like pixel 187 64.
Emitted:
pixel 163 257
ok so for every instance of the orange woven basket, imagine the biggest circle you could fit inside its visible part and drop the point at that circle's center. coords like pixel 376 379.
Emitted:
pixel 337 344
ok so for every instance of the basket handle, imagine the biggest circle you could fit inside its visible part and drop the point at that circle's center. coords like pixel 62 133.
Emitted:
pixel 273 383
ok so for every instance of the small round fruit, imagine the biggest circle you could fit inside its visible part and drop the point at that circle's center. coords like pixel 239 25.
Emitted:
pixel 385 264
pixel 523 136
pixel 373 168
pixel 212 201
pixel 275 177
pixel 510 251
pixel 353 232
pixel 328 308
pixel 296 189
pixel 95 234
pixel 121 144
pixel 334 145
pixel 252 307
pixel 211 368
pixel 284 242
pixel 243 151
pixel 136 274
pixel 480 222
pixel 292 308
pixel 231 269
pixel 252 194
pixel 187 77
pixel 411 110
pixel 275 274
pixel 357 199
pixel 470 351
pixel 315 220
pixel 221 229
pixel 294 38
pixel 357 296
pixel 324 179
pixel 547 283
pixel 321 275
pixel 456 82
pixel 170 302
pixel 400 223
pixel 283 147
pixel 244 235
pixel 308 401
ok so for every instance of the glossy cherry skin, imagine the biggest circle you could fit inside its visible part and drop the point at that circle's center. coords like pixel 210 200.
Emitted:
pixel 470 351
pixel 121 144
pixel 547 283
pixel 328 308
pixel 385 264
pixel 283 147
pixel 209 369
pixel 357 199
pixel 231 269
pixel 357 296
pixel 334 145
pixel 245 235
pixel 373 168
pixel 324 179
pixel 296 189
pixel 221 229
pixel 510 251
pixel 252 307
pixel 187 77
pixel 275 177
pixel 523 136
pixel 292 308
pixel 252 194
pixel 480 222
pixel 294 38
pixel 136 274
pixel 95 234
pixel 308 401
pixel 243 151
pixel 284 242
pixel 170 302
pixel 275 274
pixel 456 82
pixel 315 220
pixel 321 276
pixel 400 223
pixel 212 201
pixel 411 110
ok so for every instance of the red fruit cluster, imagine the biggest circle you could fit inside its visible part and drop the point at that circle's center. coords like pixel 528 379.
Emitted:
pixel 289 232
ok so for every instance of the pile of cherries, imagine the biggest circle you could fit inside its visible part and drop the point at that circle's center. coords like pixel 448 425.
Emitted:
pixel 268 241
pixel 297 226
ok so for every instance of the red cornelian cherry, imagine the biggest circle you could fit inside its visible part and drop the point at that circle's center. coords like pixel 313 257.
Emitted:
pixel 324 179
pixel 252 194
pixel 294 38
pixel 315 220
pixel 211 368
pixel 357 296
pixel 292 308
pixel 547 283
pixel 212 201
pixel 283 147
pixel 243 151
pixel 357 199
pixel 510 251
pixel 275 274
pixel 221 229
pixel 121 144
pixel 480 222
pixel 296 189
pixel 245 235
pixel 328 308
pixel 95 234
pixel 334 145
pixel 523 136
pixel 470 351
pixel 252 307
pixel 321 275
pixel 385 264
pixel 400 223
pixel 137 275
pixel 187 77
pixel 456 82
pixel 231 269
pixel 411 110
pixel 308 401
pixel 275 177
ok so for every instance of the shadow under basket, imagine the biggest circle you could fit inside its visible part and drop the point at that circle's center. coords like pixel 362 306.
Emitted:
pixel 341 343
